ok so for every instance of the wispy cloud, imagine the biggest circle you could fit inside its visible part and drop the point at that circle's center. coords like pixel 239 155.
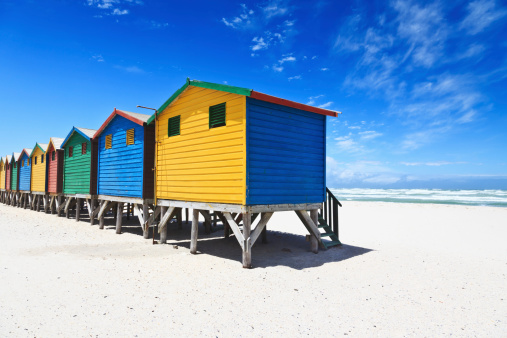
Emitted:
pixel 324 69
pixel 431 164
pixel 242 21
pixel 481 14
pixel 369 134
pixel 112 7
pixel 296 77
pixel 117 11
pixel 98 58
pixel 326 105
pixel 311 99
pixel 130 69
pixel 287 58
pixel 259 44
pixel 275 8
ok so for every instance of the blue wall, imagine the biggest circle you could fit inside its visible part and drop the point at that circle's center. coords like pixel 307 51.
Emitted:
pixel 286 154
pixel 25 173
pixel 120 169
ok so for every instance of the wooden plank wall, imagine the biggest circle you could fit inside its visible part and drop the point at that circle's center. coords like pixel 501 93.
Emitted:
pixel 202 164
pixel 2 175
pixel 8 176
pixel 149 162
pixel 120 169
pixel 286 154
pixel 77 169
pixel 38 172
pixel 25 172
pixel 15 175
pixel 52 169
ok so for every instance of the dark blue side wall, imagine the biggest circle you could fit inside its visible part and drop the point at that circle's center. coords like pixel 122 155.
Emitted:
pixel 120 169
pixel 25 173
pixel 286 153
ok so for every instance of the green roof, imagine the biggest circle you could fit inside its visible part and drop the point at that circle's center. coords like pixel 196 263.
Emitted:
pixel 202 84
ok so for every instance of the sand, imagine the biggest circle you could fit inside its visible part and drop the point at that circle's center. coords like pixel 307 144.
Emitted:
pixel 404 270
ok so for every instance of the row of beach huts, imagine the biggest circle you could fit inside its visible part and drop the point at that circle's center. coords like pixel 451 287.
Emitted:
pixel 229 154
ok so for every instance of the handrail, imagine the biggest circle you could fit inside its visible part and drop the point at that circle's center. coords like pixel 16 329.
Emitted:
pixel 330 211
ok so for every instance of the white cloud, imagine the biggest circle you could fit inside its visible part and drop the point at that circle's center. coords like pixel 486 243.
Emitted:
pixel 277 68
pixel 481 14
pixel 311 99
pixel 98 58
pixel 259 44
pixel 369 134
pixel 288 58
pixel 117 11
pixel 243 21
pixel 275 8
pixel 324 69
pixel 131 69
pixel 296 77
pixel 430 164
pixel 473 50
pixel 326 105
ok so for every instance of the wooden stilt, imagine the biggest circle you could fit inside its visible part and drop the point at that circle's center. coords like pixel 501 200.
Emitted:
pixel 314 243
pixel 247 252
pixel 179 217
pixel 163 232
pixel 264 235
pixel 119 216
pixel 128 211
pixel 78 209
pixel 194 231
pixel 186 214
pixel 92 207
pixel 146 216
pixel 311 226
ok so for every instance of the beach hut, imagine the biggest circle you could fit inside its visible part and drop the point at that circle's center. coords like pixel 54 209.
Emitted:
pixel 2 179
pixel 14 195
pixel 54 160
pixel 38 182
pixel 79 170
pixel 233 150
pixel 25 177
pixel 126 147
pixel 8 175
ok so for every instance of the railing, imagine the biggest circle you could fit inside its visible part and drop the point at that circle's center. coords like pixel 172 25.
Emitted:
pixel 330 211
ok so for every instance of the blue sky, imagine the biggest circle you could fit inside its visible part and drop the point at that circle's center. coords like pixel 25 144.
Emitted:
pixel 421 84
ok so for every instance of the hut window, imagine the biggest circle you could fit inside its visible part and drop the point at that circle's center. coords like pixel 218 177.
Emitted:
pixel 130 136
pixel 109 141
pixel 217 115
pixel 42 158
pixel 83 148
pixel 173 126
pixel 22 164
pixel 53 155
pixel 35 160
pixel 71 151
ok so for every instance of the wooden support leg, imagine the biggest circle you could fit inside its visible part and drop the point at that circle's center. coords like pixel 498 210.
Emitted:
pixel 146 216
pixel 78 209
pixel 39 197
pixel 119 217
pixel 186 214
pixel 314 243
pixel 247 252
pixel 128 211
pixel 194 231
pixel 101 216
pixel 92 211
pixel 264 235
pixel 179 217
pixel 163 232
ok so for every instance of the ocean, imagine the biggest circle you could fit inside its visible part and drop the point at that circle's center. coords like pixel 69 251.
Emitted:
pixel 494 198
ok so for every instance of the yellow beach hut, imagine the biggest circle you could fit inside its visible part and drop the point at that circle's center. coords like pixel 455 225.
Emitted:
pixel 38 182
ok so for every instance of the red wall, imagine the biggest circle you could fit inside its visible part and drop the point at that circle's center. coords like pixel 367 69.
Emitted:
pixel 55 171
pixel 8 174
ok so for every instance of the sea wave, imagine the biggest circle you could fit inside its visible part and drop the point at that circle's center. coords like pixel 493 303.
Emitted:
pixel 496 198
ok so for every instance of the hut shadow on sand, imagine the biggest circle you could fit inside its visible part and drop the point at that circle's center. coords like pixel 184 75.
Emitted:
pixel 282 249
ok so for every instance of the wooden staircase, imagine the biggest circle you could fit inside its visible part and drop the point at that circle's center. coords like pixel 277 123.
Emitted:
pixel 328 220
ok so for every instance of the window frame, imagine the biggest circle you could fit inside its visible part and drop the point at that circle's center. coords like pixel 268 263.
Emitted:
pixel 217 106
pixel 131 130
pixel 174 119
pixel 71 151
pixel 84 147
pixel 110 137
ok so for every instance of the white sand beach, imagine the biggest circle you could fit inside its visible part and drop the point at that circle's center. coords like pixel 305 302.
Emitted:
pixel 404 270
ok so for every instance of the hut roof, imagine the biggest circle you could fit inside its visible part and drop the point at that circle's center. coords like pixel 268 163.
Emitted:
pixel 242 91
pixel 41 146
pixel 16 156
pixel 86 133
pixel 138 118
pixel 8 158
pixel 57 142
pixel 3 159
pixel 27 151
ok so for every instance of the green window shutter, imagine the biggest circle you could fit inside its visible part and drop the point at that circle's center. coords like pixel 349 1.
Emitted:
pixel 173 126
pixel 217 115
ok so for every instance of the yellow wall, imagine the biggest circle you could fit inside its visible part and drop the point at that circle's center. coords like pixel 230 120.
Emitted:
pixel 2 175
pixel 38 172
pixel 202 164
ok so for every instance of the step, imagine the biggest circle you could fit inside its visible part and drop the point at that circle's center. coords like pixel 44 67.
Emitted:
pixel 327 234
